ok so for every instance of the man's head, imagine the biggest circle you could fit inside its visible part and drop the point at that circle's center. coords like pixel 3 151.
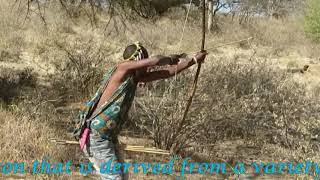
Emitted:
pixel 135 52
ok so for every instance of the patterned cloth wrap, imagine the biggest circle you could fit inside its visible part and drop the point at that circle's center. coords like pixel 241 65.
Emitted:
pixel 110 117
pixel 106 122
pixel 112 114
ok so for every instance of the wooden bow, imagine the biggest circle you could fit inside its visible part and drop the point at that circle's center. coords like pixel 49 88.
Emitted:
pixel 195 81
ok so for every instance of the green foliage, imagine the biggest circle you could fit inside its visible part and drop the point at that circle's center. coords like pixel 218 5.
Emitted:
pixel 312 19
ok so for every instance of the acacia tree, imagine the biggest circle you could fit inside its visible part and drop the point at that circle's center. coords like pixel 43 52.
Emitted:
pixel 144 8
pixel 214 6
pixel 278 9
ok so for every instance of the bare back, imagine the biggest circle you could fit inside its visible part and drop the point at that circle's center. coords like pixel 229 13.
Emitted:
pixel 115 81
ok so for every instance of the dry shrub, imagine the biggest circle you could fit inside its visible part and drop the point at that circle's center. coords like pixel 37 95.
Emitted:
pixel 30 124
pixel 250 100
pixel 11 48
pixel 159 110
pixel 283 36
pixel 81 70
pixel 257 102
pixel 45 121
pixel 14 82
pixel 273 33
pixel 30 139
pixel 11 35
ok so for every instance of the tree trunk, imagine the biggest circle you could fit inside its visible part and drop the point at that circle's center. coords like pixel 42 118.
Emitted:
pixel 210 15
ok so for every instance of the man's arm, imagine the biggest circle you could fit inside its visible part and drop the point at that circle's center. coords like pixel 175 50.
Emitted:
pixel 129 66
pixel 170 71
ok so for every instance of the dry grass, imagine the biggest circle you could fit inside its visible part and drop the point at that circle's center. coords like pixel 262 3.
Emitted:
pixel 11 37
pixel 249 100
pixel 30 138
pixel 242 93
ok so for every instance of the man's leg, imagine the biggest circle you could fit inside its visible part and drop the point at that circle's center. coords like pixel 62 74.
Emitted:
pixel 102 154
pixel 120 157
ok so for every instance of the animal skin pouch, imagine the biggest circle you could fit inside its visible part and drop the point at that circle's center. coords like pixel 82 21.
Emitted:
pixel 84 138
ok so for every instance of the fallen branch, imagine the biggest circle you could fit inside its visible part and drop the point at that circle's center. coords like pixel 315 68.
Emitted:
pixel 198 146
pixel 124 147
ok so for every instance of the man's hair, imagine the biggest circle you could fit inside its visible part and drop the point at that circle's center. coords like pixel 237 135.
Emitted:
pixel 132 51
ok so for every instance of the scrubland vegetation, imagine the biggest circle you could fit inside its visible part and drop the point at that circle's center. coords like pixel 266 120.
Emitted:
pixel 249 106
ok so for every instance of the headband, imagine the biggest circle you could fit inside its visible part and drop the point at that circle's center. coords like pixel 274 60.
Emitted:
pixel 138 54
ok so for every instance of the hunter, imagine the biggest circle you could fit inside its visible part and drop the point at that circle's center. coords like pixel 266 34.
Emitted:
pixel 108 110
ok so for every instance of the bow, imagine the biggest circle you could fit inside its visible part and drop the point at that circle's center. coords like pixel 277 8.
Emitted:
pixel 195 81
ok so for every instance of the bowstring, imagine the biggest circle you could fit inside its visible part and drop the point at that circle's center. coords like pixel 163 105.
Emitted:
pixel 182 36
pixel 179 47
pixel 184 25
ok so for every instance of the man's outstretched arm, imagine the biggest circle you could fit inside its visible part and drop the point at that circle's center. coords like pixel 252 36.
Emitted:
pixel 129 66
pixel 172 70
